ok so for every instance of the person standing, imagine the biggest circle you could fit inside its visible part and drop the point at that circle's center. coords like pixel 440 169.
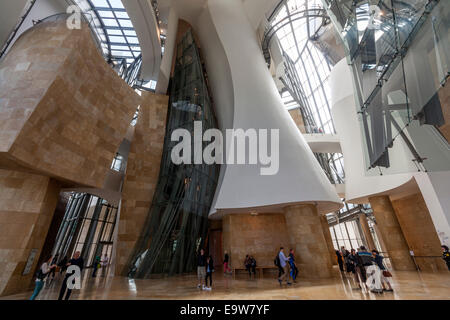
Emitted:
pixel 77 260
pixel 247 263
pixel 339 260
pixel 252 267
pixel 226 262
pixel 104 263
pixel 385 275
pixel 345 255
pixel 201 268
pixel 366 260
pixel 354 266
pixel 42 273
pixel 62 265
pixel 284 265
pixel 53 270
pixel 294 270
pixel 95 265
pixel 209 271
pixel 446 255
pixel 343 251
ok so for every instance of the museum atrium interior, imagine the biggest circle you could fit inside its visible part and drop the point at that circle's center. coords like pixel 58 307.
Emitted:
pixel 92 93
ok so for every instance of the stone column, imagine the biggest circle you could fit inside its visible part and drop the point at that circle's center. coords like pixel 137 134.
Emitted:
pixel 27 204
pixel 307 237
pixel 391 233
pixel 259 235
pixel 366 231
pixel 419 231
pixel 328 239
pixel 141 179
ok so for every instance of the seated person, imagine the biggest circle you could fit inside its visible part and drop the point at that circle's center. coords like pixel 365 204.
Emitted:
pixel 247 263
pixel 250 265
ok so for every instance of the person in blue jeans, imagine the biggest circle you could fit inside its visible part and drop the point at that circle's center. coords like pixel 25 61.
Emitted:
pixel 294 270
pixel 42 273
pixel 284 264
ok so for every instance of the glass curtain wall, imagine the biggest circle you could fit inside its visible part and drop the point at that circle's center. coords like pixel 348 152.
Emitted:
pixel 296 25
pixel 346 234
pixel 399 52
pixel 177 222
pixel 119 42
pixel 87 226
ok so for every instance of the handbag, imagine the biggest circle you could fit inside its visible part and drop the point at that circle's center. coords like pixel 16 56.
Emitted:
pixel 387 274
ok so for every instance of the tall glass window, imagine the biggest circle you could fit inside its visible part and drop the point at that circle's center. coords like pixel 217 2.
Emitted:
pixel 177 222
pixel 346 234
pixel 87 226
pixel 297 24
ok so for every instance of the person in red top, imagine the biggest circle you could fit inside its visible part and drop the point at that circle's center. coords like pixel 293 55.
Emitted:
pixel 226 267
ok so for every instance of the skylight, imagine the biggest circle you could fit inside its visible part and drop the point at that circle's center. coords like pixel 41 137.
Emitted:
pixel 113 27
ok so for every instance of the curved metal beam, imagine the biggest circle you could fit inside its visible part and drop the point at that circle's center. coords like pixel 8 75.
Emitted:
pixel 268 35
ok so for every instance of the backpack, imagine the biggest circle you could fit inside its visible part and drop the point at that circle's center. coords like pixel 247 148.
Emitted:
pixel 276 261
pixel 40 275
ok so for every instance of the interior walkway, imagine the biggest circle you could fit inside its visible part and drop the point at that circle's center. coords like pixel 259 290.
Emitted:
pixel 407 285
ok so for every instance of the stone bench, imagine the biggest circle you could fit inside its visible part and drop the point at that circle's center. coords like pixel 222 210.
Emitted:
pixel 259 269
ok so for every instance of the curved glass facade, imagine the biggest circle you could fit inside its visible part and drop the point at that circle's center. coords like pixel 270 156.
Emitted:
pixel 296 24
pixel 118 39
pixel 177 223
pixel 399 52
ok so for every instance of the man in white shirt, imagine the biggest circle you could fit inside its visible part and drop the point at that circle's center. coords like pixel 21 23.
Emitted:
pixel 285 266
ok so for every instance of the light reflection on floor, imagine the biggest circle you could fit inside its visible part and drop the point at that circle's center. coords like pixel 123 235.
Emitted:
pixel 407 285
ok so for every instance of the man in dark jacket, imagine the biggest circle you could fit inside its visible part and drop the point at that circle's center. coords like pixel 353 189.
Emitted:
pixel 364 260
pixel 209 271
pixel 75 261
pixel 357 267
pixel 385 279
pixel 201 268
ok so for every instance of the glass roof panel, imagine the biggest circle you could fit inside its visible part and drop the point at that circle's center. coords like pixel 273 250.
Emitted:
pixel 113 27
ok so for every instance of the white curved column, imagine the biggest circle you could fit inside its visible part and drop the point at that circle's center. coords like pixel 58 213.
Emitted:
pixel 169 51
pixel 257 104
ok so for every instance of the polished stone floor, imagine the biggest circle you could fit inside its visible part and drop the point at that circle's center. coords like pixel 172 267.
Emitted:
pixel 407 285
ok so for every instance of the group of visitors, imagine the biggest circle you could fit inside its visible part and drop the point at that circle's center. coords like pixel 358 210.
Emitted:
pixel 250 265
pixel 364 264
pixel 100 263
pixel 47 272
pixel 287 268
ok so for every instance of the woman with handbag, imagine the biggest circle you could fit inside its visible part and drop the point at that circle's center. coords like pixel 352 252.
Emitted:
pixel 385 274
pixel 42 273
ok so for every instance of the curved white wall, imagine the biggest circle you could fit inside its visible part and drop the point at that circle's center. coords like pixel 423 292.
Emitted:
pixel 144 22
pixel 10 12
pixel 219 75
pixel 41 9
pixel 360 185
pixel 166 62
pixel 257 104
